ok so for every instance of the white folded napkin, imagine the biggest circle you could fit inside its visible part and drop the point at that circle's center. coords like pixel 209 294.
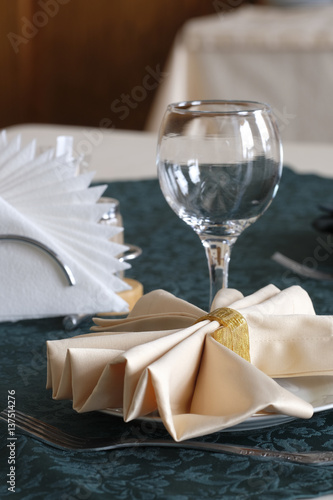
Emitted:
pixel 160 359
pixel 43 199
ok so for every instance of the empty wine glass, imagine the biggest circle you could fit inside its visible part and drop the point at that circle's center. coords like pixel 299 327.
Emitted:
pixel 219 166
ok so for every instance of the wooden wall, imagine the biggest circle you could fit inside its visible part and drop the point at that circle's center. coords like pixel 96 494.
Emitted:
pixel 77 61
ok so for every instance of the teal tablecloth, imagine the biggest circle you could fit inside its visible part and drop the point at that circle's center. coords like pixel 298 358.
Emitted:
pixel 174 260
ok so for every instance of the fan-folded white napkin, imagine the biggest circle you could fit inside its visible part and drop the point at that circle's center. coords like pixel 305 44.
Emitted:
pixel 160 359
pixel 55 214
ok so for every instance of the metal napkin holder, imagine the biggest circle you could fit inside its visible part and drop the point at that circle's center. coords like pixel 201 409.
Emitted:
pixel 31 241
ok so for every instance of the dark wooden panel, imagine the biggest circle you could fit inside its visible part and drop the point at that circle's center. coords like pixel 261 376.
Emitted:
pixel 87 62
pixel 15 62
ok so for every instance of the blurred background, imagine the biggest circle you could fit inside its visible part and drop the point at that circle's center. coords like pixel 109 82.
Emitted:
pixel 70 61
pixel 102 63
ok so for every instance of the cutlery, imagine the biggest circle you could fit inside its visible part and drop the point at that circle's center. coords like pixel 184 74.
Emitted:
pixel 300 269
pixel 326 208
pixel 55 437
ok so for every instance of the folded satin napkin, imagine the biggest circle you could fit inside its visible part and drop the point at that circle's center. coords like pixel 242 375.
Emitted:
pixel 158 358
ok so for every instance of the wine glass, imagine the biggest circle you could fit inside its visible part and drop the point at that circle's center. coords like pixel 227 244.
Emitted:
pixel 219 166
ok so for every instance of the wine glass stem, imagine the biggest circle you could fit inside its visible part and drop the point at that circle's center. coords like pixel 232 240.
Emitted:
pixel 218 251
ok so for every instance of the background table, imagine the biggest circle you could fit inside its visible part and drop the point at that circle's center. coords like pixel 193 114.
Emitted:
pixel 174 260
pixel 282 56
pixel 130 155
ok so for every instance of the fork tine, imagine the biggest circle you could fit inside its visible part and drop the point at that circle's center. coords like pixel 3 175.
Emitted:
pixel 31 422
pixel 45 432
pixel 42 426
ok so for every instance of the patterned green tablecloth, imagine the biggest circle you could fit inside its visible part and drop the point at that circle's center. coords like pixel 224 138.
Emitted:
pixel 173 259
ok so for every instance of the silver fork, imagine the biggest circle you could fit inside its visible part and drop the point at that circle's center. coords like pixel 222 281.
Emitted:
pixel 59 439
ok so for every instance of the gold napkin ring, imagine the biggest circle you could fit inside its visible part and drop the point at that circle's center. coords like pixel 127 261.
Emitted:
pixel 233 332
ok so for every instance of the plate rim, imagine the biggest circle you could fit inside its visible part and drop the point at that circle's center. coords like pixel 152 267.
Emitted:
pixel 257 420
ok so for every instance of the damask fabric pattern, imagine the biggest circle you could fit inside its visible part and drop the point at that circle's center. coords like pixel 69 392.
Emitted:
pixel 174 260
pixel 173 257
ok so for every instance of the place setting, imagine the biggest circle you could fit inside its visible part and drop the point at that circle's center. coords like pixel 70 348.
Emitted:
pixel 123 349
pixel 219 168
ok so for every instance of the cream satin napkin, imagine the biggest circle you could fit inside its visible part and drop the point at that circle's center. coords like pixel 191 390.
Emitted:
pixel 49 212
pixel 159 358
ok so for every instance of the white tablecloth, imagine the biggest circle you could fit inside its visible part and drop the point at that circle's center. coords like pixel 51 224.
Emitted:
pixel 112 154
pixel 282 56
pixel 130 155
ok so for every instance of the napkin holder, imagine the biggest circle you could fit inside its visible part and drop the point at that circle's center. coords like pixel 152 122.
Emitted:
pixel 31 241
pixel 50 230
